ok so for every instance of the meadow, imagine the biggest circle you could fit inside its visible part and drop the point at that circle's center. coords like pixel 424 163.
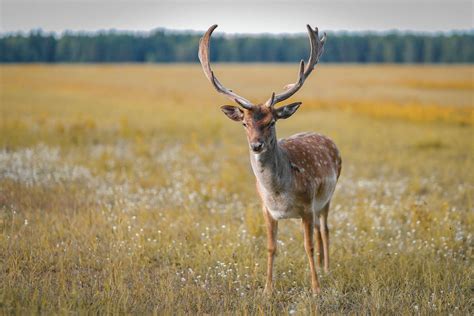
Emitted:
pixel 124 189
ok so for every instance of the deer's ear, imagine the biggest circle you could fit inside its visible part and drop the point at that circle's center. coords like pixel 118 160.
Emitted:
pixel 286 111
pixel 233 112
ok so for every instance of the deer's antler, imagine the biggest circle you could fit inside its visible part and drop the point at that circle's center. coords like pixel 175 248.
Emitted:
pixel 204 52
pixel 317 48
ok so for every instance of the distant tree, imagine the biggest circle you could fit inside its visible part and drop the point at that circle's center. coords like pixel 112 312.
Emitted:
pixel 163 46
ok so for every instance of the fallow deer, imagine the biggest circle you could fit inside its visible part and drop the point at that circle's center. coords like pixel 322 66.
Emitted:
pixel 296 176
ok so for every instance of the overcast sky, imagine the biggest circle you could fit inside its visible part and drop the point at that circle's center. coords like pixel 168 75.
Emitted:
pixel 236 16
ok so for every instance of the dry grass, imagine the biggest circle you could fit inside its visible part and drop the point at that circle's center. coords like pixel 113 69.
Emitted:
pixel 124 189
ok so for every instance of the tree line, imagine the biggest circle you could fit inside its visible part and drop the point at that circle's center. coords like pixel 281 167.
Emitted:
pixel 164 46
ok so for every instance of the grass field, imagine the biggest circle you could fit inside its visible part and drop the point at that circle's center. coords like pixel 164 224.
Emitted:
pixel 123 188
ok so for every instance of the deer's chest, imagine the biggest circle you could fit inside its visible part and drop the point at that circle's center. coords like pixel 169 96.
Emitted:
pixel 281 205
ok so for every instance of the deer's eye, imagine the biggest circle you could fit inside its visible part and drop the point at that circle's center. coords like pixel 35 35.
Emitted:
pixel 244 124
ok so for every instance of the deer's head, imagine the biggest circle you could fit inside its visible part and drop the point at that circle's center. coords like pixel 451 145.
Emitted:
pixel 259 119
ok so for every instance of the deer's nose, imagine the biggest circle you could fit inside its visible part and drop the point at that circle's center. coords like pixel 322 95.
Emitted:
pixel 256 146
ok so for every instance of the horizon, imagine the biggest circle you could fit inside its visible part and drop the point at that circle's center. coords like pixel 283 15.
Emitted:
pixel 217 33
pixel 283 17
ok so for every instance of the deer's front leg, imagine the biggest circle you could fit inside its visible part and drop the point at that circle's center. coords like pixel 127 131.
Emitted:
pixel 308 226
pixel 272 230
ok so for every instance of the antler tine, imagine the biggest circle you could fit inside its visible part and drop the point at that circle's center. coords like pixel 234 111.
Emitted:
pixel 270 101
pixel 204 52
pixel 317 48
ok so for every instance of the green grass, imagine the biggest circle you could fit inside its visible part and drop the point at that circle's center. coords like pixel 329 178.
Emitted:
pixel 124 189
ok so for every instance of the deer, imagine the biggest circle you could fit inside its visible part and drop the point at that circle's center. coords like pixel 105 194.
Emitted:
pixel 295 176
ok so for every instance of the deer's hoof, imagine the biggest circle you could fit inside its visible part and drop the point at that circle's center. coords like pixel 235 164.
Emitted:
pixel 316 291
pixel 268 290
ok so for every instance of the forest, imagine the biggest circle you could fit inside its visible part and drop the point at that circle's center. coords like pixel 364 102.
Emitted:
pixel 166 46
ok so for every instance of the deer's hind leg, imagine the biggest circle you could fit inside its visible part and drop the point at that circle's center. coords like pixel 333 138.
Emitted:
pixel 324 231
pixel 319 243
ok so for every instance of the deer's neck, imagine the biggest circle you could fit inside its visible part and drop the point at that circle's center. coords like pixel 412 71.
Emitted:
pixel 272 169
